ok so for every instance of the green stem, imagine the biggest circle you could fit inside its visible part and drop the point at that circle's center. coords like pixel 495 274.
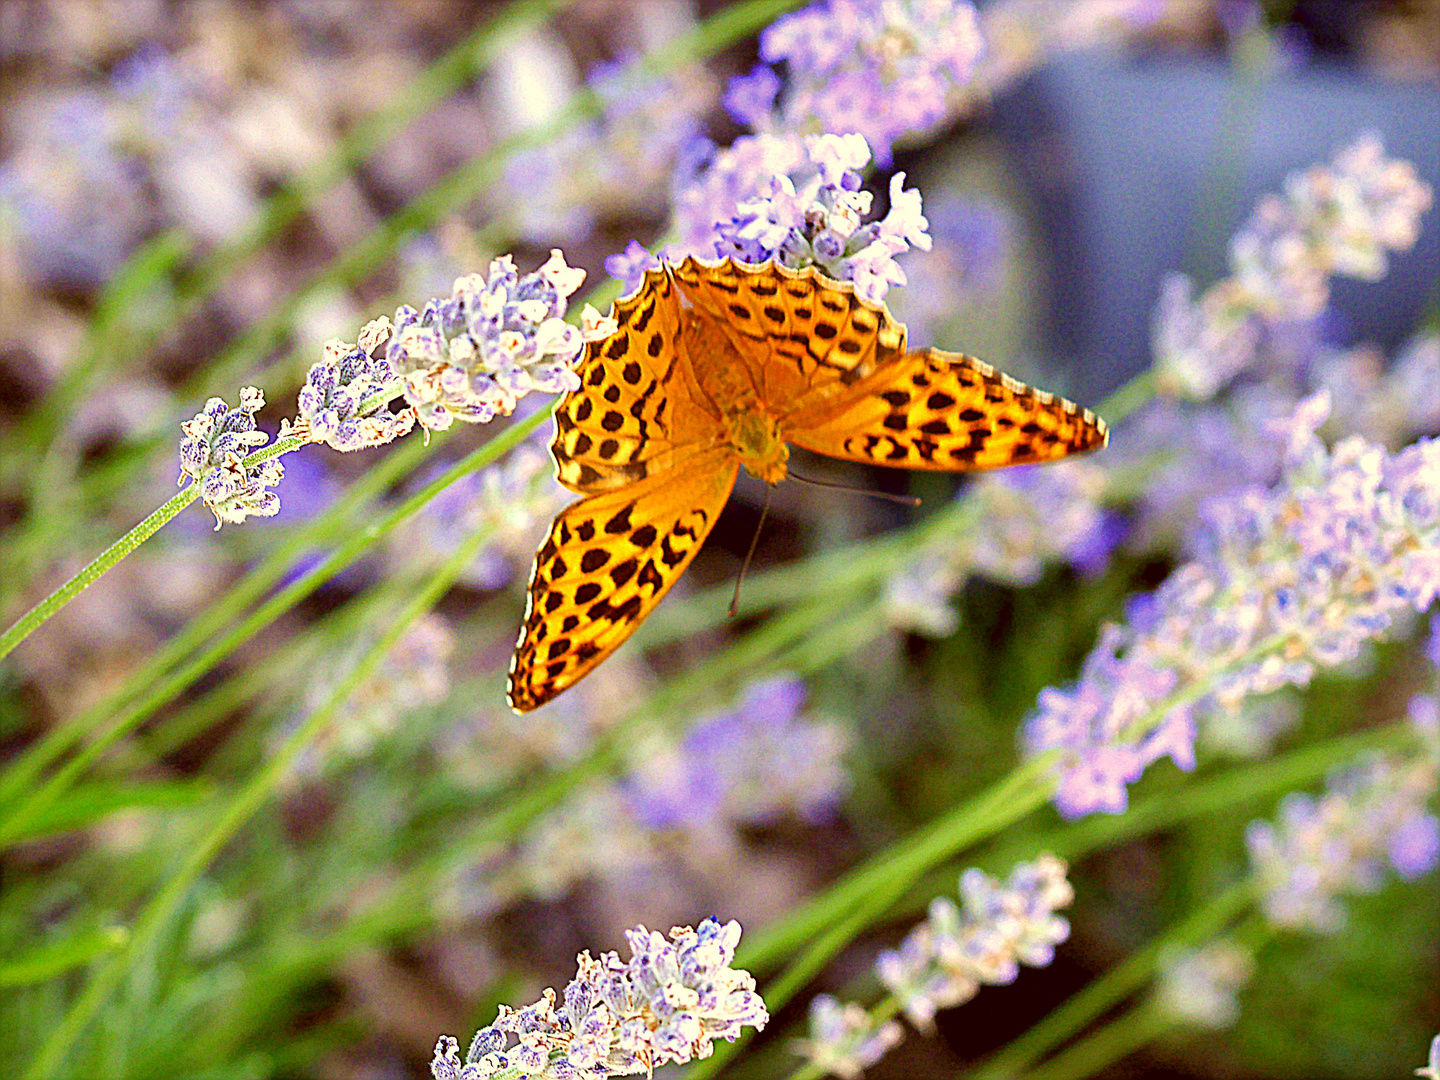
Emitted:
pixel 359 541
pixel 1114 1042
pixel 33 619
pixel 158 913
pixel 21 774
pixel 107 559
pixel 1117 984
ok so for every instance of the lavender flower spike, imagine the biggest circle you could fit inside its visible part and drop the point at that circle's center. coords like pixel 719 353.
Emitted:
pixel 1285 582
pixel 844 1039
pixel 808 211
pixel 997 927
pixel 1370 818
pixel 213 453
pixel 473 355
pixel 667 1003
pixel 342 403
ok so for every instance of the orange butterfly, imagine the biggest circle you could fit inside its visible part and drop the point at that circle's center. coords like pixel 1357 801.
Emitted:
pixel 713 367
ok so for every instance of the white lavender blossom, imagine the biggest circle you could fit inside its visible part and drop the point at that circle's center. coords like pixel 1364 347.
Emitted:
pixel 1342 219
pixel 1200 986
pixel 1370 819
pixel 473 355
pixel 798 201
pixel 212 454
pixel 344 400
pixel 1285 581
pixel 996 928
pixel 667 1003
pixel 845 1040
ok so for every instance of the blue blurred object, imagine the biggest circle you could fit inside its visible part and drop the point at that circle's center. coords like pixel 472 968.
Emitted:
pixel 1142 166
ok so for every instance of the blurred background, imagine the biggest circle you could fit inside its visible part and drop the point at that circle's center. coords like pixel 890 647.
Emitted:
pixel 196 196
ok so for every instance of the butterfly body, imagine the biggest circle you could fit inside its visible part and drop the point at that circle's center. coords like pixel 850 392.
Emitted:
pixel 717 366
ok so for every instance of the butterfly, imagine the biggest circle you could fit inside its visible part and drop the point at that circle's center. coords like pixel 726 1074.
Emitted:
pixel 717 365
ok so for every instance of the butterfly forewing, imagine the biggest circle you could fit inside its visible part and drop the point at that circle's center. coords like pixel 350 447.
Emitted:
pixel 637 411
pixel 606 564
pixel 807 339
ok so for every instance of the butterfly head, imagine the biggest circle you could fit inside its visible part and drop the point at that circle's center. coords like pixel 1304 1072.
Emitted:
pixel 756 435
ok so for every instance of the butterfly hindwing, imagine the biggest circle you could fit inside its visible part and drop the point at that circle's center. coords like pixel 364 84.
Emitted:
pixel 607 562
pixel 636 411
pixel 936 410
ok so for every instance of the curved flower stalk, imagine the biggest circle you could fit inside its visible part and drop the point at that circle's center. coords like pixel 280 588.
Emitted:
pixel 668 1003
pixel 946 959
pixel 1285 581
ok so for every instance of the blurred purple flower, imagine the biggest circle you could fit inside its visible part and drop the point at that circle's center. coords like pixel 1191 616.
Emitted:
pixel 882 69
pixel 1284 581
pixel 1322 848
pixel 751 764
pixel 983 940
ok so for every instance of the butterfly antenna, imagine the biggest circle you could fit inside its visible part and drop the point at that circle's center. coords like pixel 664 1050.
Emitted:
pixel 903 500
pixel 754 543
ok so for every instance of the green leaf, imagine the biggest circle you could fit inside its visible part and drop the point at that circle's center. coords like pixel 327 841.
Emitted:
pixel 57 957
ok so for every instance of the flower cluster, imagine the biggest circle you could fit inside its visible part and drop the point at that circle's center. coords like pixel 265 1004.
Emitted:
pixel 342 403
pixel 213 452
pixel 884 70
pixel 472 355
pixel 1371 818
pixel 1024 518
pixel 845 1040
pixel 1199 986
pixel 998 926
pixel 1284 581
pixel 1342 219
pixel 751 764
pixel 797 200
pixel 667 1003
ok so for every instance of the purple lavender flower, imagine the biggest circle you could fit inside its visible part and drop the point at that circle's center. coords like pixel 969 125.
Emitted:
pixel 343 400
pixel 883 70
pixel 213 453
pixel 1284 581
pixel 630 265
pixel 800 202
pixel 1341 219
pixel 984 940
pixel 750 765
pixel 667 1003
pixel 1370 817
pixel 473 355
